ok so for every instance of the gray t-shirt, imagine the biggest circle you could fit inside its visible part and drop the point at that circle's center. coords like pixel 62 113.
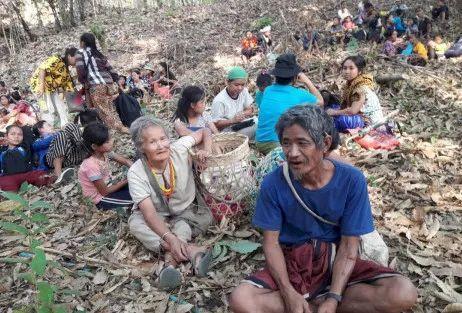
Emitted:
pixel 185 189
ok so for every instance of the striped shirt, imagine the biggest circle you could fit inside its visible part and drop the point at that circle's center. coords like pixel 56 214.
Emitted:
pixel 93 70
pixel 68 144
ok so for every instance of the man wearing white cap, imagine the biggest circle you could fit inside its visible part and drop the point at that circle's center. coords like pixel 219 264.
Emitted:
pixel 264 39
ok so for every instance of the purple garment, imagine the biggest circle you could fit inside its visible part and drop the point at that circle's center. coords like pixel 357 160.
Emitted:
pixel 389 48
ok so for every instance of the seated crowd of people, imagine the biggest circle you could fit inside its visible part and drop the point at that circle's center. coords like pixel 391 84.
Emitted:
pixel 403 32
pixel 312 210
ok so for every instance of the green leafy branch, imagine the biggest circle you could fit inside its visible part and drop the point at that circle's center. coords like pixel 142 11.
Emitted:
pixel 35 224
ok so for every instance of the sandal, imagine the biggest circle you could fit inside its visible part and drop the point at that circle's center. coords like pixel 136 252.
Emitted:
pixel 202 266
pixel 66 176
pixel 169 278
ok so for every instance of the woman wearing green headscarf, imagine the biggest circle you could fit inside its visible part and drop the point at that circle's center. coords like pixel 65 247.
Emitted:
pixel 232 108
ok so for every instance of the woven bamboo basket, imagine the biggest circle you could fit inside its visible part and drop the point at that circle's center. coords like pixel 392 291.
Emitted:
pixel 228 175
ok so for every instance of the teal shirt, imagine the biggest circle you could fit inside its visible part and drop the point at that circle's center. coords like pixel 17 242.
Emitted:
pixel 278 99
pixel 258 97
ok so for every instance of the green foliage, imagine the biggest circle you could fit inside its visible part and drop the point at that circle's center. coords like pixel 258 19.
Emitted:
pixel 100 33
pixel 39 262
pixel 32 223
pixel 97 30
pixel 14 197
pixel 9 226
pixel 263 22
pixel 170 13
pixel 240 246
pixel 46 293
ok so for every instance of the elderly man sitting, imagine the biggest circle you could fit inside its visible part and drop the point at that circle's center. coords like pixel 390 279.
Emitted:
pixel 310 262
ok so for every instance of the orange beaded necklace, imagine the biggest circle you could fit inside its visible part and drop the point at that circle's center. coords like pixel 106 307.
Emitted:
pixel 167 189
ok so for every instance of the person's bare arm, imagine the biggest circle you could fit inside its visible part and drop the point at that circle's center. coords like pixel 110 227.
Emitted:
pixel 121 159
pixel 222 124
pixel 58 166
pixel 310 86
pixel 204 137
pixel 212 127
pixel 355 107
pixel 41 79
pixel 248 112
pixel 181 128
pixel 344 263
pixel 104 189
pixel 276 263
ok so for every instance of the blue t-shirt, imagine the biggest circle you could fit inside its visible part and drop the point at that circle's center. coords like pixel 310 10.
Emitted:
pixel 258 98
pixel 40 149
pixel 399 26
pixel 344 200
pixel 276 100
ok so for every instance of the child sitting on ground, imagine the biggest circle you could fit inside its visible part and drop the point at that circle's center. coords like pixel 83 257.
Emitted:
pixel 165 83
pixel 190 114
pixel 336 31
pixel 411 26
pixel 67 149
pixel 16 162
pixel 310 39
pixel 437 47
pixel 94 172
pixel 45 134
pixel 19 112
pixel 343 11
pixel 419 54
pixel 348 24
pixel 122 84
pixel 393 44
pixel 263 80
pixel 440 11
pixel 400 27
pixel 249 46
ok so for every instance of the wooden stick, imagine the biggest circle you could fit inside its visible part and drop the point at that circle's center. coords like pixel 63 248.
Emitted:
pixel 86 259
pixel 366 130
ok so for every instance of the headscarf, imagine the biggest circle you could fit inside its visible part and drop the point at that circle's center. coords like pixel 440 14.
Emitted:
pixel 237 72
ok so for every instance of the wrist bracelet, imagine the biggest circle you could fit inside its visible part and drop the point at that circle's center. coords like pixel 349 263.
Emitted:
pixel 334 296
pixel 165 234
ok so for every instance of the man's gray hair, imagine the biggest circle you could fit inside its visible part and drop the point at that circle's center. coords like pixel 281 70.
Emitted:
pixel 314 120
pixel 139 125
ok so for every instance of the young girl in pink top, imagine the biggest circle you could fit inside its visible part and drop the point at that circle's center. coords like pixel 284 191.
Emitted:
pixel 348 24
pixel 94 173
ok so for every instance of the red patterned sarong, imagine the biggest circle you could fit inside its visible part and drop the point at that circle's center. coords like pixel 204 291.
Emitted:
pixel 310 270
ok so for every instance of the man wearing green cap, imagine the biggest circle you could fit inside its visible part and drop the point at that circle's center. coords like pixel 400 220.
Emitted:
pixel 232 108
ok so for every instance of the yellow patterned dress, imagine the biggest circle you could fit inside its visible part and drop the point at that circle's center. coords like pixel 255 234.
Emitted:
pixel 56 76
pixel 57 81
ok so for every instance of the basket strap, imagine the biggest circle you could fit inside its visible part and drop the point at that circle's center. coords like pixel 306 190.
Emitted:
pixel 155 185
pixel 285 170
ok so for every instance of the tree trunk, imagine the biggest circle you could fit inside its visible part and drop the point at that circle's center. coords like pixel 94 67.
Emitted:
pixel 71 13
pixel 15 6
pixel 39 14
pixel 6 38
pixel 58 26
pixel 81 5
pixel 63 13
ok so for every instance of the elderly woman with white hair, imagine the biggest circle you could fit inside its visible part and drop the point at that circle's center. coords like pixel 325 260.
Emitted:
pixel 168 210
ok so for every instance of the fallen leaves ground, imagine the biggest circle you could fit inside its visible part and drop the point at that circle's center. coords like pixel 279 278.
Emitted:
pixel 416 190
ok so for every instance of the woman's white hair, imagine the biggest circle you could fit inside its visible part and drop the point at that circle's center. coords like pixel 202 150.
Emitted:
pixel 139 125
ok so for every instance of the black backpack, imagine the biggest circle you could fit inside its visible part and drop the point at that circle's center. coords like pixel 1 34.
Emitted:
pixel 329 98
pixel 128 109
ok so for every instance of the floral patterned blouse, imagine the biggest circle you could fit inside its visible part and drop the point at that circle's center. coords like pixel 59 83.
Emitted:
pixel 56 76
